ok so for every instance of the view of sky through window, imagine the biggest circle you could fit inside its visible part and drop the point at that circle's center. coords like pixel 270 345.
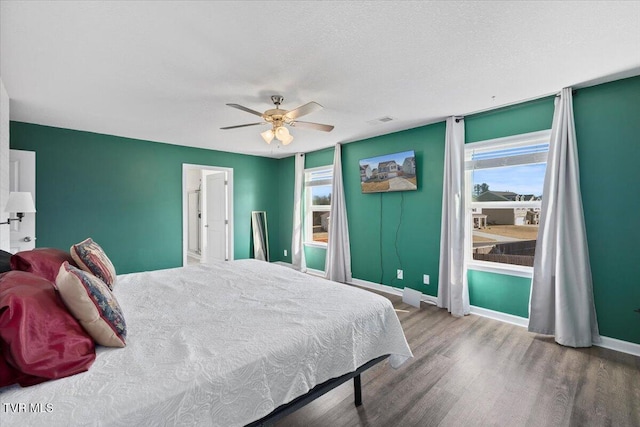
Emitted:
pixel 521 179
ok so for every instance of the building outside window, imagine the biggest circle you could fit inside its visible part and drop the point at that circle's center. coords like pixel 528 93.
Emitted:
pixel 318 204
pixel 504 180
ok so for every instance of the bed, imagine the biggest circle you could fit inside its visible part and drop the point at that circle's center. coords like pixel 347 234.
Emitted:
pixel 223 344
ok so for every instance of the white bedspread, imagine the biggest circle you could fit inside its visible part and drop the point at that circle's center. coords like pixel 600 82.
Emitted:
pixel 220 344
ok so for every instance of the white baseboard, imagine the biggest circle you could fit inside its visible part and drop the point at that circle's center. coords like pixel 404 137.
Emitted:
pixel 284 264
pixel 315 272
pixel 311 271
pixel 610 343
pixel 390 290
pixel 619 345
pixel 498 315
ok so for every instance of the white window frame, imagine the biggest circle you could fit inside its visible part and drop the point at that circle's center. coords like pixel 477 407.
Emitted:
pixel 309 208
pixel 514 141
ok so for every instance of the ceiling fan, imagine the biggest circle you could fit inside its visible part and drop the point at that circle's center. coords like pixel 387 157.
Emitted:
pixel 279 118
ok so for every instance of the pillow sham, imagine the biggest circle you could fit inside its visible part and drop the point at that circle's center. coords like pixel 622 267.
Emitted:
pixel 5 261
pixel 39 339
pixel 90 257
pixel 43 262
pixel 91 302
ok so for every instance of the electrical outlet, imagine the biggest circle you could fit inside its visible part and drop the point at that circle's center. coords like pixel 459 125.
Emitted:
pixel 400 274
pixel 425 279
pixel 285 252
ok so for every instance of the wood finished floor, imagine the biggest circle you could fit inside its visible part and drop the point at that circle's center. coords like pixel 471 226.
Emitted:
pixel 475 371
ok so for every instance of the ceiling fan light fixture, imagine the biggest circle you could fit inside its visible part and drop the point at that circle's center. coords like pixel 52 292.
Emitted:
pixel 282 133
pixel 277 119
pixel 267 136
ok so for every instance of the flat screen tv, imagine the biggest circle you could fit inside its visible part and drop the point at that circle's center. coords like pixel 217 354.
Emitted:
pixel 391 172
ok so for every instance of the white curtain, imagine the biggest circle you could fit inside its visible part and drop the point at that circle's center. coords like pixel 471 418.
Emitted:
pixel 338 262
pixel 453 289
pixel 297 248
pixel 561 301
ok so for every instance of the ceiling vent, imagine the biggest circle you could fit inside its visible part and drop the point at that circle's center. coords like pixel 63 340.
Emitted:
pixel 384 119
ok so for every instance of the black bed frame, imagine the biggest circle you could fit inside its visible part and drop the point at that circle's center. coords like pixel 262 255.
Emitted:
pixel 286 409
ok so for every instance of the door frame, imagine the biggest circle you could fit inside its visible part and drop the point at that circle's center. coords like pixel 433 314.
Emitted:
pixel 185 206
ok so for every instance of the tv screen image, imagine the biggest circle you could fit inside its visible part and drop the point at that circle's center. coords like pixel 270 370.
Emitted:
pixel 391 172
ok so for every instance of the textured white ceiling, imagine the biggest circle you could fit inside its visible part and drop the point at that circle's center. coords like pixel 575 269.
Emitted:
pixel 163 71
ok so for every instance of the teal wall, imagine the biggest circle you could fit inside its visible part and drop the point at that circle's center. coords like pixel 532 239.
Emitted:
pixel 127 194
pixel 315 257
pixel 499 292
pixel 521 118
pixel 608 132
pixel 319 158
pixel 397 230
pixel 286 183
pixel 401 229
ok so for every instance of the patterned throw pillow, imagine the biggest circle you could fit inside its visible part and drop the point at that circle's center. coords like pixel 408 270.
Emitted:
pixel 90 257
pixel 92 303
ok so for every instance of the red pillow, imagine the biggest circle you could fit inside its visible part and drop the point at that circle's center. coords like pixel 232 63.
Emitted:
pixel 39 338
pixel 8 375
pixel 43 262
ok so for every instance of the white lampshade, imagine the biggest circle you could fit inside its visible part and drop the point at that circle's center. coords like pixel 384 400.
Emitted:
pixel 20 201
pixel 282 133
pixel 287 140
pixel 267 136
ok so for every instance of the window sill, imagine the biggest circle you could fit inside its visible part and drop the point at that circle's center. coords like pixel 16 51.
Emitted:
pixel 507 269
pixel 316 245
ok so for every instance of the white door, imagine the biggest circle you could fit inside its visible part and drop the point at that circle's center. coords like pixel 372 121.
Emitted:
pixel 215 222
pixel 22 170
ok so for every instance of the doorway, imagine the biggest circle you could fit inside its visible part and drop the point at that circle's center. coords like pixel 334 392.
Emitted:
pixel 22 177
pixel 207 213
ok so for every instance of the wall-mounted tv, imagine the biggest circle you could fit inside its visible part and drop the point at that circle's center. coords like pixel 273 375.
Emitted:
pixel 391 172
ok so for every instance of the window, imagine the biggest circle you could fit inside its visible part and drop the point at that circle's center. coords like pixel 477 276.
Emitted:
pixel 317 184
pixel 504 182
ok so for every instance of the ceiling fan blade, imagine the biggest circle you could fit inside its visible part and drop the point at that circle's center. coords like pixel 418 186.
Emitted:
pixel 248 110
pixel 302 110
pixel 309 125
pixel 242 126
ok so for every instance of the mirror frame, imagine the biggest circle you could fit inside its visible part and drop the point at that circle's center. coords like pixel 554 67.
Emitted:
pixel 260 235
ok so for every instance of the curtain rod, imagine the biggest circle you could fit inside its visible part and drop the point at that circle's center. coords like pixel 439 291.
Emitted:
pixel 632 72
pixel 510 104
pixel 574 92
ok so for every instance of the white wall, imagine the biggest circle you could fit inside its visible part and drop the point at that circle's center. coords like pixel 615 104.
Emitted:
pixel 193 179
pixel 4 165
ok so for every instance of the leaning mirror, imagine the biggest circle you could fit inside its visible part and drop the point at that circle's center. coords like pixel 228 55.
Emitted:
pixel 260 235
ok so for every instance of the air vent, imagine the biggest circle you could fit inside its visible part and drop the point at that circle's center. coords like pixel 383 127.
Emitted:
pixel 384 119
